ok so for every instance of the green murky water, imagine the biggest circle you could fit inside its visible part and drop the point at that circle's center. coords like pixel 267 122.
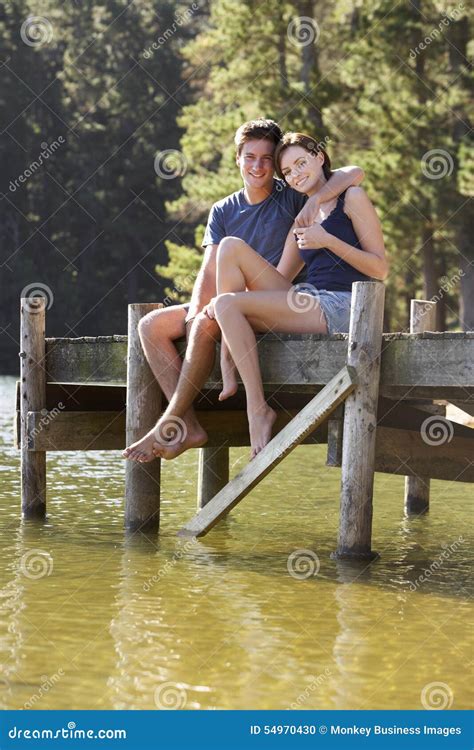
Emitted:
pixel 91 620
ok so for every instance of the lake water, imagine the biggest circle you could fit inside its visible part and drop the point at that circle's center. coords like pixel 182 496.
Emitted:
pixel 92 620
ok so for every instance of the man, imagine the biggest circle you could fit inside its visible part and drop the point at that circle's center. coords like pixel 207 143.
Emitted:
pixel 263 214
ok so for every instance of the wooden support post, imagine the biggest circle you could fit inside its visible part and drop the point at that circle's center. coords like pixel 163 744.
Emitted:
pixel 33 398
pixel 213 472
pixel 360 419
pixel 417 489
pixel 142 481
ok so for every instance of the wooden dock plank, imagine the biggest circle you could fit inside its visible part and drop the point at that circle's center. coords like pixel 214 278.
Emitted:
pixel 283 443
pixel 105 430
pixel 413 365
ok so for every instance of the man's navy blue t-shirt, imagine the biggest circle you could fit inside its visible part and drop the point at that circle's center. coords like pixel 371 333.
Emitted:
pixel 264 226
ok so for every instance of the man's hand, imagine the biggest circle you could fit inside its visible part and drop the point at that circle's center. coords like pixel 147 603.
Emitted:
pixel 312 238
pixel 309 212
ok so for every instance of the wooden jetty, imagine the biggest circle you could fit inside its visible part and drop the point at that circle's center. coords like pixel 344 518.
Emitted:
pixel 368 395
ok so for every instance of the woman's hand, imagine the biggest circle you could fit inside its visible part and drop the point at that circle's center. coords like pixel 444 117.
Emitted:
pixel 209 309
pixel 312 238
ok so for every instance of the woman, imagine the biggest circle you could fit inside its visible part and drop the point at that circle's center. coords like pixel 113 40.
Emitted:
pixel 345 245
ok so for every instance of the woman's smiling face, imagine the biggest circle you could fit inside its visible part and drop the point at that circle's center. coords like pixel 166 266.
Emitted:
pixel 301 169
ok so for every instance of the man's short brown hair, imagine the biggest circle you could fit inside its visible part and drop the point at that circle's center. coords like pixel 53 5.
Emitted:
pixel 260 129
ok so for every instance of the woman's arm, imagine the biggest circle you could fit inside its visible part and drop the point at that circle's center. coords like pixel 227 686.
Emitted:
pixel 340 180
pixel 371 260
pixel 290 263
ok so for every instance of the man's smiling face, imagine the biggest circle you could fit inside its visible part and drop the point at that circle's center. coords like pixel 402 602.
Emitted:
pixel 255 162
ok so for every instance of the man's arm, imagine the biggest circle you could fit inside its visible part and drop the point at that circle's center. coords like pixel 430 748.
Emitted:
pixel 205 285
pixel 339 181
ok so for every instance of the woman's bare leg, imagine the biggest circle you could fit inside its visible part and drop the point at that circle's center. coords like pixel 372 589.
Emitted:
pixel 234 275
pixel 269 310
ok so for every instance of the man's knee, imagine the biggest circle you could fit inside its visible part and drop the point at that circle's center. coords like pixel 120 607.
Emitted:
pixel 204 326
pixel 167 323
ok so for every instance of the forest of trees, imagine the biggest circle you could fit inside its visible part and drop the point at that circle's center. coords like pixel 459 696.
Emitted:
pixel 117 124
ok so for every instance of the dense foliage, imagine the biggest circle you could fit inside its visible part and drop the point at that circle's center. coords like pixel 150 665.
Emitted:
pixel 117 135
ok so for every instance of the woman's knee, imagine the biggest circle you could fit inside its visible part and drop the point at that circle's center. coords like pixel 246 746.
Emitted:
pixel 229 246
pixel 224 303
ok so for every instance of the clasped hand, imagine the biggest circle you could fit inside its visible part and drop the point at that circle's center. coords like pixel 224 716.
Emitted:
pixel 313 237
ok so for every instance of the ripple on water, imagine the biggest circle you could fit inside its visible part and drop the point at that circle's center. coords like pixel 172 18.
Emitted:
pixel 142 621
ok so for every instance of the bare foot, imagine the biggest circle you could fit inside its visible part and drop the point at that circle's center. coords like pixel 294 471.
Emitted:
pixel 142 450
pixel 229 378
pixel 193 440
pixel 260 426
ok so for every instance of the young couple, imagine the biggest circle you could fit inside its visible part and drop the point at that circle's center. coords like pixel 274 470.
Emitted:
pixel 257 241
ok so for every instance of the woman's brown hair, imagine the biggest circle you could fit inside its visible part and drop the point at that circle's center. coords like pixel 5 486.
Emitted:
pixel 309 144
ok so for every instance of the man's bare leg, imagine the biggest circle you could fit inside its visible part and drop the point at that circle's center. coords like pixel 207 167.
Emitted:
pixel 196 368
pixel 158 330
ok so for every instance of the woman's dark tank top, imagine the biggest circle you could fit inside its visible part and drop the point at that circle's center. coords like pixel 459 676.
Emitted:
pixel 325 269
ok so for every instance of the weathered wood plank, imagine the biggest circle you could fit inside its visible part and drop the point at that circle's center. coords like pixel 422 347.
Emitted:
pixel 411 363
pixel 400 451
pixel 80 431
pixel 313 414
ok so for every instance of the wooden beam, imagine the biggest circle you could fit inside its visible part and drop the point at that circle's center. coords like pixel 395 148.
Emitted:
pixel 399 451
pixel 105 430
pixel 413 365
pixel 313 414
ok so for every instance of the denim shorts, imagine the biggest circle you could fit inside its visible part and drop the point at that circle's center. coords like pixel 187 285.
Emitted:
pixel 336 307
